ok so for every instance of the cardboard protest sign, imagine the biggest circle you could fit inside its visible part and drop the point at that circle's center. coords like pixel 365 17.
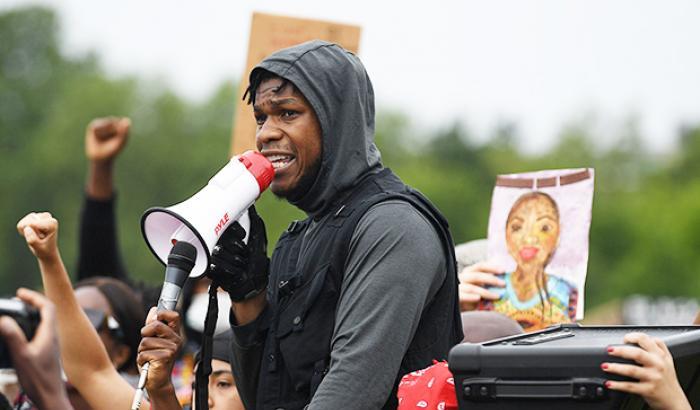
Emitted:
pixel 538 232
pixel 269 33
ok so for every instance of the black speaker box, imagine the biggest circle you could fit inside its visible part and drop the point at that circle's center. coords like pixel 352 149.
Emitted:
pixel 559 368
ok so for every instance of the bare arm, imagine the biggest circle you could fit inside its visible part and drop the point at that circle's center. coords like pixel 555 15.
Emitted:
pixel 85 359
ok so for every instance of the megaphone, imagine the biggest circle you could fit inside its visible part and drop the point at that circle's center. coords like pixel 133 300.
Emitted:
pixel 201 219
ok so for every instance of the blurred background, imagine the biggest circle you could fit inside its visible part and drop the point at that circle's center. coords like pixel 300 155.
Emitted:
pixel 465 91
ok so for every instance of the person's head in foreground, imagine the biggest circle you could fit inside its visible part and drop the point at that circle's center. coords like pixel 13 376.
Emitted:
pixel 115 311
pixel 315 122
pixel 481 326
pixel 223 394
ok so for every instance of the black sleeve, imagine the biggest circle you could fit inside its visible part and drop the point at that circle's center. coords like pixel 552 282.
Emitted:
pixel 247 346
pixel 98 253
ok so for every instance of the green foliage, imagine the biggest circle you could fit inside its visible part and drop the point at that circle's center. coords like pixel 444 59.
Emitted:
pixel 644 238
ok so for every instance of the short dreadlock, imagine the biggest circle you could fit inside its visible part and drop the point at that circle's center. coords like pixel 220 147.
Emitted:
pixel 256 78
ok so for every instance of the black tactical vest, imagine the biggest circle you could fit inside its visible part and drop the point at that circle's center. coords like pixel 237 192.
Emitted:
pixel 306 275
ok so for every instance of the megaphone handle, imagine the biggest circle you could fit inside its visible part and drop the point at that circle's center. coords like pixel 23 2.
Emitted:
pixel 138 394
pixel 244 221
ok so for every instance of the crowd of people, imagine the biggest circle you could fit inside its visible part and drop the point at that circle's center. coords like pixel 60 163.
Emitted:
pixel 365 290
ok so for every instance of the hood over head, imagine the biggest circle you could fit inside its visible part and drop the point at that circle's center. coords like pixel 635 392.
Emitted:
pixel 335 83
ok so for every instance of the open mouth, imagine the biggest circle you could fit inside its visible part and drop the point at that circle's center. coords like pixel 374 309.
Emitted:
pixel 280 162
pixel 528 253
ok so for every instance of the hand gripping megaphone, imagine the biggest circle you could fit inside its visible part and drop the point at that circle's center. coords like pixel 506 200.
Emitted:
pixel 201 219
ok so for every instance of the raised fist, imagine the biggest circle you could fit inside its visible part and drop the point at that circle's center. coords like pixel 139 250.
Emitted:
pixel 40 230
pixel 105 138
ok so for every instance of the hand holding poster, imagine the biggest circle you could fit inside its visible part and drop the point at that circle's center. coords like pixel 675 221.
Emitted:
pixel 538 232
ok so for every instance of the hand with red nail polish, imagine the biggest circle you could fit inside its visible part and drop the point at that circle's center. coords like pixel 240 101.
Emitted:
pixel 656 376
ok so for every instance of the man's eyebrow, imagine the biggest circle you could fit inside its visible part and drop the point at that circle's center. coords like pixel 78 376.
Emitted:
pixel 546 217
pixel 282 101
pixel 276 102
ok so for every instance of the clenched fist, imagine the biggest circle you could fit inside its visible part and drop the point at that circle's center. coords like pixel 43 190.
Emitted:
pixel 40 230
pixel 105 138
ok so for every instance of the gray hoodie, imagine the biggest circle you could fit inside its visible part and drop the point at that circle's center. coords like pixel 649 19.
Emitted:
pixel 335 83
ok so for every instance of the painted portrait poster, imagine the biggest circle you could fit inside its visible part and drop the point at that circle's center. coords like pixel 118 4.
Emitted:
pixel 538 233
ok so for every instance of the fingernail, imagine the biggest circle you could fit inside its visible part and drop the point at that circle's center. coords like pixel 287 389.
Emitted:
pixel 607 383
pixel 611 349
pixel 604 366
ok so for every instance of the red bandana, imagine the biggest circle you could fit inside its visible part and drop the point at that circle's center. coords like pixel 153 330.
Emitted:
pixel 430 388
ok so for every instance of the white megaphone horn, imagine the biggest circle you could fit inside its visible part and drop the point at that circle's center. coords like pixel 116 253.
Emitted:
pixel 201 219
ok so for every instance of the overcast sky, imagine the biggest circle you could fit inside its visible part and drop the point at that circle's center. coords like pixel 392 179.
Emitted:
pixel 541 64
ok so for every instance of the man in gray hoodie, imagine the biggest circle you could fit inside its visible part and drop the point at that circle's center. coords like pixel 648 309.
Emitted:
pixel 362 291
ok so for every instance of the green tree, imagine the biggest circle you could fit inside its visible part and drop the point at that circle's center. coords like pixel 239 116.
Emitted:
pixel 645 229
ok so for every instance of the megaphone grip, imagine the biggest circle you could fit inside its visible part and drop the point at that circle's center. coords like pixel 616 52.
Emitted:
pixel 139 393
pixel 168 296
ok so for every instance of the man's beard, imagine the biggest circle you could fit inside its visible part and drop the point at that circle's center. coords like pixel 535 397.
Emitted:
pixel 304 185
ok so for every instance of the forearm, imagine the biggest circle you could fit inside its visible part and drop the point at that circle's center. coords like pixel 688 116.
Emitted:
pixel 99 183
pixel 82 350
pixel 249 310
pixel 98 252
pixel 247 347
pixel 245 365
pixel 52 401
pixel 164 399
pixel 681 403
pixel 107 390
